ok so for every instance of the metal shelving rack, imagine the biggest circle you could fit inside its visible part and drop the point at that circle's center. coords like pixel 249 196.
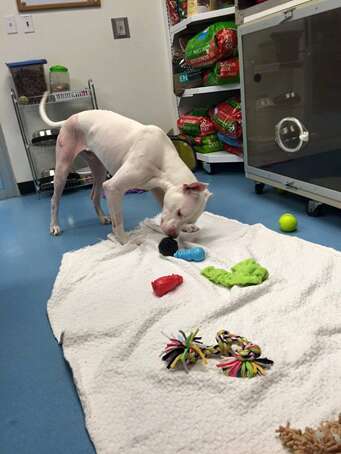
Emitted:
pixel 45 183
pixel 194 96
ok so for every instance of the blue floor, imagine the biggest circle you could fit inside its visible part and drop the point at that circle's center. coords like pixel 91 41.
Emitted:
pixel 39 409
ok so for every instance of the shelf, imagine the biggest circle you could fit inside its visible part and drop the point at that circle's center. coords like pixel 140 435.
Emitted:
pixel 181 26
pixel 72 183
pixel 218 157
pixel 54 98
pixel 211 89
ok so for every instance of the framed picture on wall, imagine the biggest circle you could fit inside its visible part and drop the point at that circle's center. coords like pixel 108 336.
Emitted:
pixel 36 5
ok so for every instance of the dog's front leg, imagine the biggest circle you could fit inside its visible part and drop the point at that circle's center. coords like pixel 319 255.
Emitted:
pixel 114 199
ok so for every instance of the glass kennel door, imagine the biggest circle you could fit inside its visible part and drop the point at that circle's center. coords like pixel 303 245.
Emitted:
pixel 292 96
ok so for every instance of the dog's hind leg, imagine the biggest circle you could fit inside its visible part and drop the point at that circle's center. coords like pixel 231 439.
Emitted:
pixel 63 166
pixel 69 145
pixel 99 174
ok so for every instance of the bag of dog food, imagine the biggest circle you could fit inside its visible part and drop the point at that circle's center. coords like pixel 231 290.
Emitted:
pixel 236 143
pixel 208 144
pixel 182 8
pixel 226 116
pixel 172 9
pixel 223 72
pixel 184 75
pixel 233 150
pixel 196 126
pixel 217 41
pixel 203 111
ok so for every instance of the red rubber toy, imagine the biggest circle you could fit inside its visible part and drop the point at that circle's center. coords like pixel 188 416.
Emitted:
pixel 166 284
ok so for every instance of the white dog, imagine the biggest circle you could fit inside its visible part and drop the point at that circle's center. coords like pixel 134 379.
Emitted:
pixel 137 156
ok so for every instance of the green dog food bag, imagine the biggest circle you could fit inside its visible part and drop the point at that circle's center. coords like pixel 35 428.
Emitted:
pixel 217 41
pixel 200 111
pixel 208 144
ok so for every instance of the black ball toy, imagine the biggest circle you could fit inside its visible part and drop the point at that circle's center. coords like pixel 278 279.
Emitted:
pixel 168 246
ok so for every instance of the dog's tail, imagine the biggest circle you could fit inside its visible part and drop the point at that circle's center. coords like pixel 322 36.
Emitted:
pixel 44 117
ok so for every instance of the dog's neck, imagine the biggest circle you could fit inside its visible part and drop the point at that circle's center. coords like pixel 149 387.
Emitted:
pixel 175 171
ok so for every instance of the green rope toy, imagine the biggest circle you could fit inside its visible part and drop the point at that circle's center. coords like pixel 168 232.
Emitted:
pixel 239 357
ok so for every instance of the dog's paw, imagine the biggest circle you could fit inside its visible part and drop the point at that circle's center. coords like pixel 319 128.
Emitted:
pixel 104 220
pixel 190 228
pixel 55 230
pixel 122 239
pixel 137 239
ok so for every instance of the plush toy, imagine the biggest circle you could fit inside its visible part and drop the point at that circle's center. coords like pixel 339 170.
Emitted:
pixel 165 284
pixel 168 246
pixel 239 357
pixel 247 272
pixel 194 254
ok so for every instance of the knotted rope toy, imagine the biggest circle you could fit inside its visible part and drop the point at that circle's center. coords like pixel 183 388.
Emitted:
pixel 243 357
pixel 240 358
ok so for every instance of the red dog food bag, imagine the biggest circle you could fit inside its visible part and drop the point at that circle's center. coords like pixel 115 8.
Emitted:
pixel 226 40
pixel 196 125
pixel 224 72
pixel 226 116
pixel 172 9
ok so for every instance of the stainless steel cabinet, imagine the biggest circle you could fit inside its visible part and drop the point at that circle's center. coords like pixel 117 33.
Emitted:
pixel 291 90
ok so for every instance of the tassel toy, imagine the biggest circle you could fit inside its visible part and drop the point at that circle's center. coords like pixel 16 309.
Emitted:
pixel 184 350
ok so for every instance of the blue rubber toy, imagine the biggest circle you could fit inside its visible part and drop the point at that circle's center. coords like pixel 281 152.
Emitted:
pixel 195 254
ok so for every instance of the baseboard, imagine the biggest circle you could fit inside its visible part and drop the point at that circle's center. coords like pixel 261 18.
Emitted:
pixel 27 187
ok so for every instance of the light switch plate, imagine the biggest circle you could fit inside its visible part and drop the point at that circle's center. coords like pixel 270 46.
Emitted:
pixel 27 22
pixel 120 27
pixel 11 25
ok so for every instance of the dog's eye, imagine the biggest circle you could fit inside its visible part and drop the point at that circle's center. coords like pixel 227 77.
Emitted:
pixel 179 213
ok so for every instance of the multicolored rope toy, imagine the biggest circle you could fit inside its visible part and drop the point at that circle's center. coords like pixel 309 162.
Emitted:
pixel 184 349
pixel 243 358
pixel 240 358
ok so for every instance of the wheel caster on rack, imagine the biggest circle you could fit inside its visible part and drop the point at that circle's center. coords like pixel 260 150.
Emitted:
pixel 314 208
pixel 208 168
pixel 259 188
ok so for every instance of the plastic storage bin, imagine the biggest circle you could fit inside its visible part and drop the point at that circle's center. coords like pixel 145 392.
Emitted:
pixel 59 79
pixel 28 77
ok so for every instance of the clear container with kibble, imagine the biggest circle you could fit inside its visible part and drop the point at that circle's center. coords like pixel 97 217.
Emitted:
pixel 59 79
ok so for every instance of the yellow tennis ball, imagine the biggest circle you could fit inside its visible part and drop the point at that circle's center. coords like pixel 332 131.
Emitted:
pixel 287 222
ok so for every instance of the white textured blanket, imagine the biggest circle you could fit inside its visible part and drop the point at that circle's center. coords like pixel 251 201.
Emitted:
pixel 109 322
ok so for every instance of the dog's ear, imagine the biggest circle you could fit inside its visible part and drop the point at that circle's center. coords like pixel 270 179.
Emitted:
pixel 195 187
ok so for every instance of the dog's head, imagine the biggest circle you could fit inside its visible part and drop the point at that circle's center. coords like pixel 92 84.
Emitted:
pixel 183 205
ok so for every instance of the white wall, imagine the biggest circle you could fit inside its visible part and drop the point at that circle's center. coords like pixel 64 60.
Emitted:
pixel 131 75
